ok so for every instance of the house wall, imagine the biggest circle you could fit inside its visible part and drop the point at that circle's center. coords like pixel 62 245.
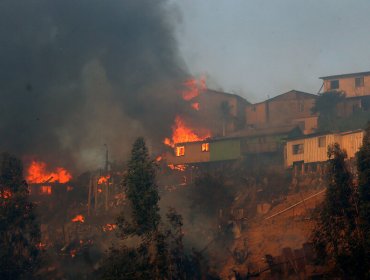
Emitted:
pixel 281 110
pixel 211 115
pixel 262 144
pixel 347 84
pixel 256 114
pixel 308 125
pixel 227 149
pixel 193 154
pixel 351 142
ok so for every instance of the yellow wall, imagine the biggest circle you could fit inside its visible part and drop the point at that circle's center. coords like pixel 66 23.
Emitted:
pixel 351 142
pixel 347 85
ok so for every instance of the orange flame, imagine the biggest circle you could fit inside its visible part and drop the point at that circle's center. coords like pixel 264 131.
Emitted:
pixel 37 173
pixel 5 194
pixel 182 133
pixel 78 218
pixel 193 88
pixel 195 106
pixel 159 158
pixel 179 167
pixel 109 227
pixel 46 190
pixel 103 179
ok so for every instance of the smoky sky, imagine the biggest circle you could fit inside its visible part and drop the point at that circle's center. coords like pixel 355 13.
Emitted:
pixel 75 75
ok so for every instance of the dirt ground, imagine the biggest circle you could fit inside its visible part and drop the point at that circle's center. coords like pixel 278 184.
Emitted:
pixel 265 235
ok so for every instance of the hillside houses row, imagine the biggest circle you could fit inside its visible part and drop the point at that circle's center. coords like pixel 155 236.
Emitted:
pixel 282 129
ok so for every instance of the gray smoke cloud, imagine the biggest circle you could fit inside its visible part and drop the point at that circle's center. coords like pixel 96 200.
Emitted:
pixel 75 75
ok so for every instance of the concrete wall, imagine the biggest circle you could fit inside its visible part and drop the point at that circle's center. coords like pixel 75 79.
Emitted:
pixel 347 84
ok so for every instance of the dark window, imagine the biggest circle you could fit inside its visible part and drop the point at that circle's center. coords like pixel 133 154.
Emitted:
pixel 334 84
pixel 301 107
pixel 359 81
pixel 322 142
pixel 297 149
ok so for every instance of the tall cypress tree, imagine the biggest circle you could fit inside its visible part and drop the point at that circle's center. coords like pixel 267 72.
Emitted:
pixel 363 168
pixel 142 192
pixel 159 252
pixel 19 231
pixel 336 235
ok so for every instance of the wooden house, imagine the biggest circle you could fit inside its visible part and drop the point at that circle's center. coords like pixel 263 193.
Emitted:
pixel 245 143
pixel 290 108
pixel 310 150
pixel 352 84
pixel 222 113
pixel 210 150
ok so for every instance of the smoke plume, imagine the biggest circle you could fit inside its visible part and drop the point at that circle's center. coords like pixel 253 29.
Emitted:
pixel 75 75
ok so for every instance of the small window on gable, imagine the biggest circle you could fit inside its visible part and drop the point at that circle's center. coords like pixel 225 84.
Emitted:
pixel 297 149
pixel 301 107
pixel 205 147
pixel 334 84
pixel 180 151
pixel 322 142
pixel 359 82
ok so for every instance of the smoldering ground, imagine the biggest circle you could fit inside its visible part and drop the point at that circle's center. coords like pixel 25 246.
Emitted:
pixel 75 75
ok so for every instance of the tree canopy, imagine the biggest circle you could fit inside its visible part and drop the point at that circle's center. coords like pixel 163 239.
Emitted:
pixel 19 230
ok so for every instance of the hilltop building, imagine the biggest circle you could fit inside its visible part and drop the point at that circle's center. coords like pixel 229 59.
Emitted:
pixel 222 113
pixel 290 108
pixel 305 154
pixel 353 84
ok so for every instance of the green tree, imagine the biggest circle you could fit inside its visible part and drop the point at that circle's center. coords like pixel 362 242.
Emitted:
pixel 142 192
pixel 363 168
pixel 336 235
pixel 19 230
pixel 326 107
pixel 158 251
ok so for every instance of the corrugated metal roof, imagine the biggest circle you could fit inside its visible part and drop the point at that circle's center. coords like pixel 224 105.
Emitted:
pixel 345 75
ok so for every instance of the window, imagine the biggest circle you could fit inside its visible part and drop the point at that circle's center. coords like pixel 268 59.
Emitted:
pixel 205 147
pixel 297 149
pixel 301 107
pixel 45 189
pixel 180 151
pixel 322 142
pixel 334 84
pixel 359 82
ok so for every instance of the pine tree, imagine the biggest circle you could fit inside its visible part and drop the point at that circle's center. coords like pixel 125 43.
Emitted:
pixel 19 231
pixel 158 253
pixel 363 168
pixel 336 236
pixel 142 192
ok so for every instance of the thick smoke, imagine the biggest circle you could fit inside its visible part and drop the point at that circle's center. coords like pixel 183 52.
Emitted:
pixel 75 75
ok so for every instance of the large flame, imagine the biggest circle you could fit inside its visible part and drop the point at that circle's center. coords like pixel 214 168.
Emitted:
pixel 37 173
pixel 181 133
pixel 193 88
